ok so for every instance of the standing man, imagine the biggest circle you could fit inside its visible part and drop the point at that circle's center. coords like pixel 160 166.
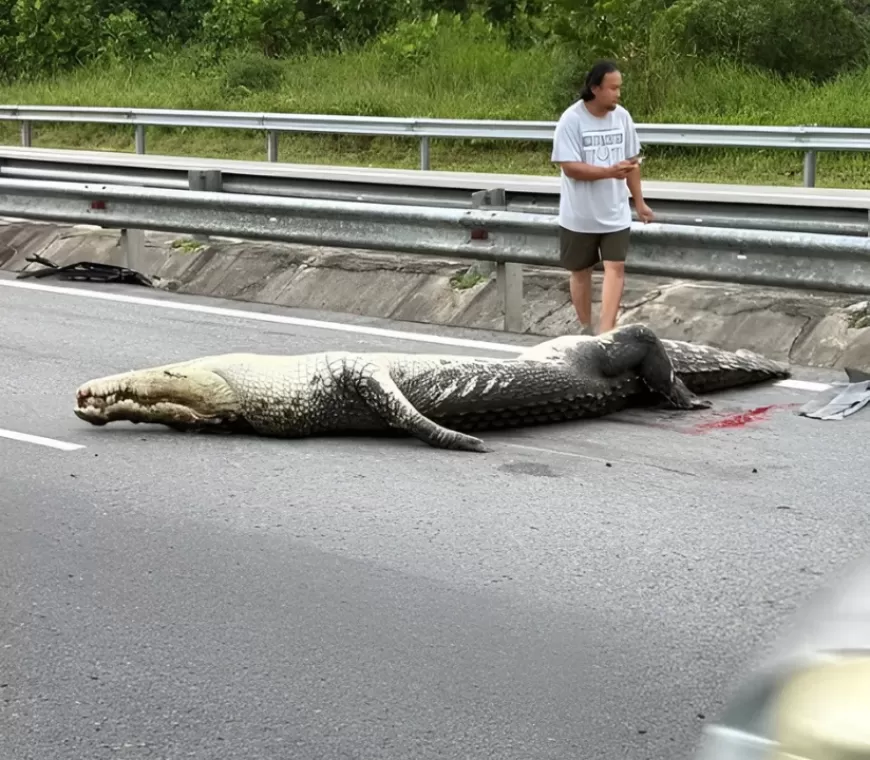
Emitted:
pixel 598 150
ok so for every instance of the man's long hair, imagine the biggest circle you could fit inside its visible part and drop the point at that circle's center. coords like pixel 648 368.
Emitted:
pixel 594 78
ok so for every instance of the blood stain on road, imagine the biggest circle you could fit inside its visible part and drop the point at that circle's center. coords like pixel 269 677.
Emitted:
pixel 741 419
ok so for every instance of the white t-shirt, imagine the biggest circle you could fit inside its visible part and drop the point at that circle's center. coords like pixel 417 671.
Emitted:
pixel 594 205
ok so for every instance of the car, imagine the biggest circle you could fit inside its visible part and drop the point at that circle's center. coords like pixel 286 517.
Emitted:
pixel 809 699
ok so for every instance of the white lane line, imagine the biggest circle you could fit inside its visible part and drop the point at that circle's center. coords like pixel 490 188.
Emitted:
pixel 258 316
pixel 803 385
pixel 542 450
pixel 604 460
pixel 39 440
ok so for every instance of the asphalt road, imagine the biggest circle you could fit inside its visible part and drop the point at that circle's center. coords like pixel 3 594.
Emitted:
pixel 587 590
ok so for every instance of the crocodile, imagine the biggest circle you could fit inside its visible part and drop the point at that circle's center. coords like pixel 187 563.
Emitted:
pixel 439 399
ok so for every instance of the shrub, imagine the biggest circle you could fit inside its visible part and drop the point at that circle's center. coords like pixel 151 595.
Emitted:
pixel 273 27
pixel 252 72
pixel 54 35
pixel 812 39
pixel 125 36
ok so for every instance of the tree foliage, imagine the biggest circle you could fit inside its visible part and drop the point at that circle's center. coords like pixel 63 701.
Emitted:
pixel 814 39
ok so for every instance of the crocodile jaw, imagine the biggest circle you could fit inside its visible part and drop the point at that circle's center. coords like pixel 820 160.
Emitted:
pixel 186 397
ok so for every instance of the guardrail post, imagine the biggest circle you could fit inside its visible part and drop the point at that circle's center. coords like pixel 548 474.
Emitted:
pixel 810 168
pixel 509 280
pixel 133 250
pixel 208 180
pixel 424 153
pixel 272 145
pixel 487 199
pixel 508 274
pixel 133 241
pixel 26 134
pixel 140 138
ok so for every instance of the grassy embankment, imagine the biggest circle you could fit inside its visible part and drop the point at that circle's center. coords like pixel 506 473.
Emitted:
pixel 458 79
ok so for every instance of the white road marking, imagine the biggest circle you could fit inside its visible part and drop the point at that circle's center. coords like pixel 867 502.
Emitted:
pixel 803 385
pixel 560 452
pixel 258 316
pixel 39 440
pixel 604 460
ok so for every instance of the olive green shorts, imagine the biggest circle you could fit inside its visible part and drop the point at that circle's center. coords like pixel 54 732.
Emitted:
pixel 581 250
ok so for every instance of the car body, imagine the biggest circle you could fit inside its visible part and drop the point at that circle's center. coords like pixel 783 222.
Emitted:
pixel 810 698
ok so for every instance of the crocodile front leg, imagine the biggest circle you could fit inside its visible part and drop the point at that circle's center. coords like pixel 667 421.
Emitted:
pixel 636 348
pixel 379 391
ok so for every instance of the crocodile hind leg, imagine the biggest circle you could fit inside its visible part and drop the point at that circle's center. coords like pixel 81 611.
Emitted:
pixel 386 399
pixel 636 348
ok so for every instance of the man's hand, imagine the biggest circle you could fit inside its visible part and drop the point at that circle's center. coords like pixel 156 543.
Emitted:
pixel 644 212
pixel 622 169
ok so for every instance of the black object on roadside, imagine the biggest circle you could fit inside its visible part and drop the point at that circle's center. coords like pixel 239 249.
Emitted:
pixel 88 271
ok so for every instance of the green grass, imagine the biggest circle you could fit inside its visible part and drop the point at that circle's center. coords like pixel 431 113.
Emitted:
pixel 187 245
pixel 466 280
pixel 463 75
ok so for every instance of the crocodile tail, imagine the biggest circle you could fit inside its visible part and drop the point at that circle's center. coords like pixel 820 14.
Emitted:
pixel 706 369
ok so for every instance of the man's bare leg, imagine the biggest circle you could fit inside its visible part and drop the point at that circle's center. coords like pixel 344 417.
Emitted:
pixel 611 294
pixel 580 284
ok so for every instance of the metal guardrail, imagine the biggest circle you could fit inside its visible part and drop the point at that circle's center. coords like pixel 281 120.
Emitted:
pixel 508 238
pixel 809 139
pixel 828 211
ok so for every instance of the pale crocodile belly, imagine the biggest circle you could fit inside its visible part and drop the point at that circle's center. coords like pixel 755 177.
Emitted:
pixel 295 399
pixel 304 415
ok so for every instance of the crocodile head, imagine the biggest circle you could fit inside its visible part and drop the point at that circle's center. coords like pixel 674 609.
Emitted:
pixel 181 396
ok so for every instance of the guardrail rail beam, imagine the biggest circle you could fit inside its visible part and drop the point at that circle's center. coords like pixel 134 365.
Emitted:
pixel 811 139
pixel 837 263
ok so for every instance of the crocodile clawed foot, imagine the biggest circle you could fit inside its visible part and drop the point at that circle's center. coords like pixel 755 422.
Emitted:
pixel 682 398
pixel 462 442
pixel 470 443
pixel 689 403
pixel 701 403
